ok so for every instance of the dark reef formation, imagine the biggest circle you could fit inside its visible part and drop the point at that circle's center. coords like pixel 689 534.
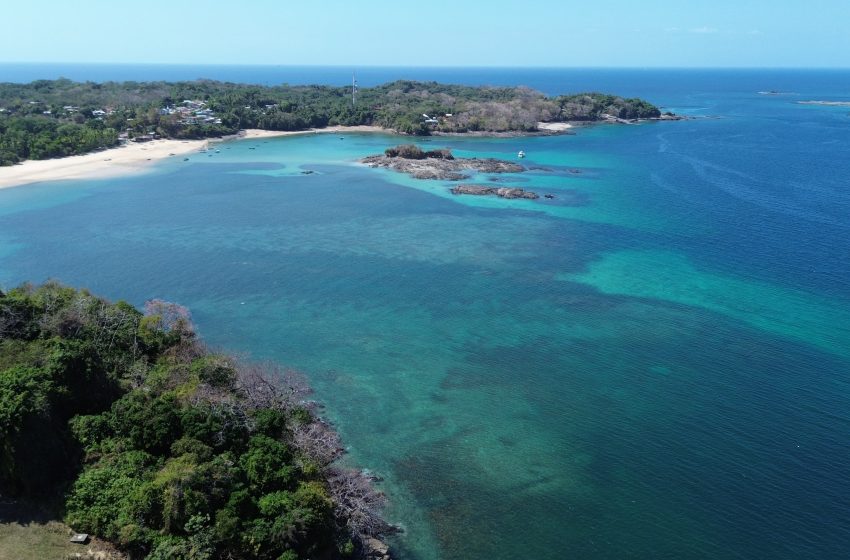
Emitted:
pixel 502 192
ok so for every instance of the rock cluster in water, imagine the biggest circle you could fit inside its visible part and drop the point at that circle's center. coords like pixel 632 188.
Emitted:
pixel 502 192
pixel 437 164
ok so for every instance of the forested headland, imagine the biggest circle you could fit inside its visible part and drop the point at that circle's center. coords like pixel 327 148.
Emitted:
pixel 171 451
pixel 56 118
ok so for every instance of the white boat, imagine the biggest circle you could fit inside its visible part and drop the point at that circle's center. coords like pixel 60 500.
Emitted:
pixel 521 154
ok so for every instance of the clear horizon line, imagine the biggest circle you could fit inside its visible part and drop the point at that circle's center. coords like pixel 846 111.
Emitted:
pixel 428 66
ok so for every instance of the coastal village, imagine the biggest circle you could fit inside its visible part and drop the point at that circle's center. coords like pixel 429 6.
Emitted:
pixel 190 112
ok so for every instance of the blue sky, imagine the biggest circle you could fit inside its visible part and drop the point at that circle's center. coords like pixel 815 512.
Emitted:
pixel 618 33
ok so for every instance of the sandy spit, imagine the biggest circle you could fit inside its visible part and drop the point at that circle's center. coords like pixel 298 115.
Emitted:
pixel 256 133
pixel 124 160
pixel 134 157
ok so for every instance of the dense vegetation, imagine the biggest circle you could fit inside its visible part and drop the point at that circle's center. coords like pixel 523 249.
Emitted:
pixel 42 138
pixel 49 118
pixel 161 446
pixel 412 151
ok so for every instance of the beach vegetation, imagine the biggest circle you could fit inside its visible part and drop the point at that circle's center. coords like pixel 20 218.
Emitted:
pixel 34 137
pixel 591 106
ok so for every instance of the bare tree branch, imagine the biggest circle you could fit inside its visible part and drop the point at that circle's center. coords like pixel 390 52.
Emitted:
pixel 357 503
pixel 318 441
pixel 267 385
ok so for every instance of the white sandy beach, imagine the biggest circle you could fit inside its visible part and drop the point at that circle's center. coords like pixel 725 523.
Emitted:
pixel 135 158
pixel 554 126
pixel 123 160
pixel 257 133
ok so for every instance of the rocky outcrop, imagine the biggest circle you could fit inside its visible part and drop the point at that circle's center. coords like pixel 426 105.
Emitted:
pixel 668 116
pixel 438 164
pixel 374 549
pixel 502 192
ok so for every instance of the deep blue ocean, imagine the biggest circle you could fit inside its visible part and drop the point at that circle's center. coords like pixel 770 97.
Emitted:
pixel 653 364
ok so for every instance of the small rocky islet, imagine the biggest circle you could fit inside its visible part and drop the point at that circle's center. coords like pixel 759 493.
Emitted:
pixel 501 192
pixel 443 165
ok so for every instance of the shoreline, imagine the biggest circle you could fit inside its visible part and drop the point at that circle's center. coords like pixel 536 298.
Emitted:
pixel 132 158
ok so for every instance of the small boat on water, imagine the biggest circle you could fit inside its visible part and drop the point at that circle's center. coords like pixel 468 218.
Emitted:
pixel 521 154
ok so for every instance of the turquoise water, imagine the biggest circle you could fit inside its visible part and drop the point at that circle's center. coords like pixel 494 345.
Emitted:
pixel 651 365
